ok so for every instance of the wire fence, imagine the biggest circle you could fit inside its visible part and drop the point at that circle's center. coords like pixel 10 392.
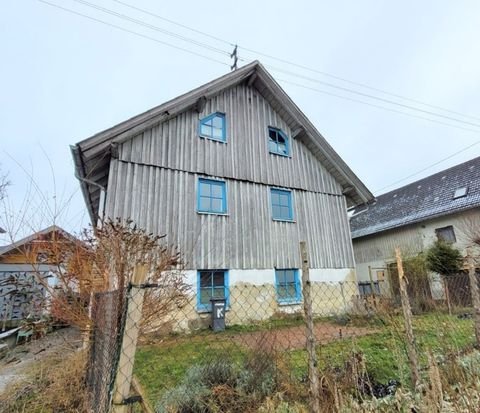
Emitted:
pixel 247 347
pixel 107 312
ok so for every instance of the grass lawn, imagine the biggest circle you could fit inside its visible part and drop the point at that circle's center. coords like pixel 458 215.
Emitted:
pixel 162 366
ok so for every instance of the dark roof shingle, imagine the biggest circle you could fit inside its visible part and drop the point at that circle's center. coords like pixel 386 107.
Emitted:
pixel 429 197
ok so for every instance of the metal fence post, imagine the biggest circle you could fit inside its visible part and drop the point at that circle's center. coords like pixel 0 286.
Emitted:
pixel 123 379
pixel 407 316
pixel 312 355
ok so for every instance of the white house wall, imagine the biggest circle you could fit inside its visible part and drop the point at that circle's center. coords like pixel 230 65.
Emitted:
pixel 378 250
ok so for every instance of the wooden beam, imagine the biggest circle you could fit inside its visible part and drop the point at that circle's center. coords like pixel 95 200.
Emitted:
pixel 123 379
pixel 251 79
pixel 200 104
pixel 311 342
pixel 297 132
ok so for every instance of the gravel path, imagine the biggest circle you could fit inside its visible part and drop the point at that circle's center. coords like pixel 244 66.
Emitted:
pixel 17 362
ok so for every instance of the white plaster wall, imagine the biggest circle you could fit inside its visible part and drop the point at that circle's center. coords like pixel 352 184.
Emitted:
pixel 426 229
pixel 262 277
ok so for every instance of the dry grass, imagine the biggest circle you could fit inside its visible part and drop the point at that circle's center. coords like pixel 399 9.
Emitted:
pixel 56 384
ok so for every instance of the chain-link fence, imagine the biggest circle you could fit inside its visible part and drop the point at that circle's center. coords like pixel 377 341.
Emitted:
pixel 248 346
pixel 107 313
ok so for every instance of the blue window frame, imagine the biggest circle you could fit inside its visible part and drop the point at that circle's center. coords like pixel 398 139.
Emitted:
pixel 287 284
pixel 278 142
pixel 212 196
pixel 282 209
pixel 213 127
pixel 211 284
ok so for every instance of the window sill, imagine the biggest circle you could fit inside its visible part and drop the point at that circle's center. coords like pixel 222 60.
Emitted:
pixel 286 303
pixel 280 154
pixel 292 221
pixel 213 139
pixel 222 214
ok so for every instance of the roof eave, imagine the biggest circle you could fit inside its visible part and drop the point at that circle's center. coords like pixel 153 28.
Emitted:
pixel 415 221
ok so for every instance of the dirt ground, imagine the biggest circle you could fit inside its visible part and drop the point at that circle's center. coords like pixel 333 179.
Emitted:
pixel 19 359
pixel 292 338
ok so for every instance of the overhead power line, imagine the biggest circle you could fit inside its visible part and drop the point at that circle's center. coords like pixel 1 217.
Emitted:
pixel 325 92
pixel 175 23
pixel 294 64
pixel 367 95
pixel 430 166
pixel 132 32
pixel 153 27
pixel 270 67
pixel 273 68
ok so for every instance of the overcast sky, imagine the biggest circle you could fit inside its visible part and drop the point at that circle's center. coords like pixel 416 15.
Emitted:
pixel 64 77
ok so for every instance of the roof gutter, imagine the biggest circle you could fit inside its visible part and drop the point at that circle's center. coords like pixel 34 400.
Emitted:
pixel 84 182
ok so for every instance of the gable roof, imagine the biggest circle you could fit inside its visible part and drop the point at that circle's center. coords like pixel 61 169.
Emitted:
pixel 36 235
pixel 427 198
pixel 92 156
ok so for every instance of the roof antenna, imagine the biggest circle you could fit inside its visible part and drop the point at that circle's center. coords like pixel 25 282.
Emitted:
pixel 234 56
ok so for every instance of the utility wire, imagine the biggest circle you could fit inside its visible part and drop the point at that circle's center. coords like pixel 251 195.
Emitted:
pixel 285 81
pixel 391 102
pixel 430 166
pixel 325 92
pixel 133 32
pixel 218 39
pixel 300 66
pixel 152 27
pixel 273 68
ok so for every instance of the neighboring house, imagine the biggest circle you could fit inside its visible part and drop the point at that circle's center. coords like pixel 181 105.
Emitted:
pixel 235 175
pixel 25 270
pixel 444 206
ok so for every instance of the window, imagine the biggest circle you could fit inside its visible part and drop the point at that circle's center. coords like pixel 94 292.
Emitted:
pixel 213 127
pixel 446 234
pixel 278 142
pixel 282 209
pixel 212 196
pixel 288 286
pixel 365 288
pixel 460 192
pixel 211 284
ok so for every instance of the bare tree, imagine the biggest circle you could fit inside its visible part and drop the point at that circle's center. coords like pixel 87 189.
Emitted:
pixel 4 182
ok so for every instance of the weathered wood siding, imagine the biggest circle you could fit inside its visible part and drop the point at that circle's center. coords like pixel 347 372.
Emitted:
pixel 175 144
pixel 382 246
pixel 154 182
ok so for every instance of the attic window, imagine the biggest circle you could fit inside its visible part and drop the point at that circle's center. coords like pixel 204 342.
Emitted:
pixel 460 192
pixel 278 142
pixel 213 127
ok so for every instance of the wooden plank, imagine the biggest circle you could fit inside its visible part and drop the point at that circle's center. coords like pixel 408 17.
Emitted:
pixel 474 290
pixel 124 374
pixel 137 387
pixel 407 317
pixel 311 342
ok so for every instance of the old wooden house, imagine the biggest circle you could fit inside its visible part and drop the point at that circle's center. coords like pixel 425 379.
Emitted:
pixel 444 206
pixel 235 175
pixel 26 270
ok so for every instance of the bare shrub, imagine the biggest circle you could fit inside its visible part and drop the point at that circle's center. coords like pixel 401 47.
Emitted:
pixel 103 260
